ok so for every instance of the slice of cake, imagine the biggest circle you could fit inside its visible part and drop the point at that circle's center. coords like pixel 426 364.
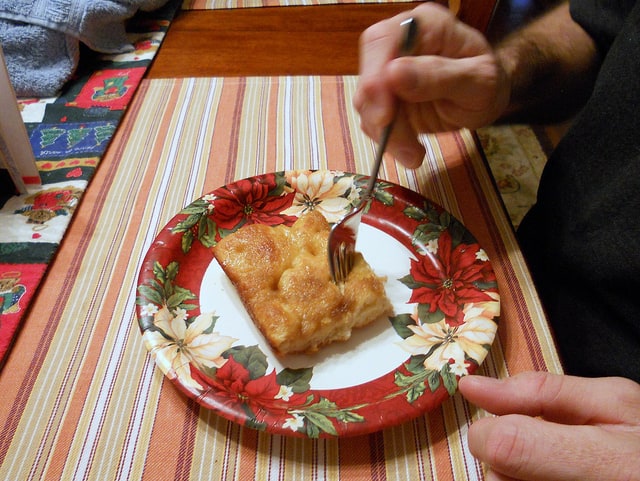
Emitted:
pixel 282 276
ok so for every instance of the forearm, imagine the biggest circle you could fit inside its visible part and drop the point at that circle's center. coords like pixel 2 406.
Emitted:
pixel 551 64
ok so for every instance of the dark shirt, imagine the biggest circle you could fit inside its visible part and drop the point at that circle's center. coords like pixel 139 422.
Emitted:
pixel 582 238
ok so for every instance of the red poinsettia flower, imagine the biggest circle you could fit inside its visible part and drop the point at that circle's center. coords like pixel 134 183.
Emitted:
pixel 235 393
pixel 448 279
pixel 248 201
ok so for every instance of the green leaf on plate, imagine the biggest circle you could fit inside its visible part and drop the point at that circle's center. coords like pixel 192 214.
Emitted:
pixel 251 357
pixel 415 213
pixel 415 364
pixel 172 270
pixel 345 416
pixel 401 324
pixel 187 241
pixel 297 379
pixel 179 296
pixel 383 196
pixel 449 379
pixel 402 380
pixel 319 421
pixel 148 295
pixel 207 232
pixel 281 182
pixel 434 380
pixel 427 317
pixel 312 430
pixel 410 282
pixel 425 233
pixel 158 272
pixel 416 390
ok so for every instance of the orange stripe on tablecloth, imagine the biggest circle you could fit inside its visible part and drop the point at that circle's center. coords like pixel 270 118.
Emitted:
pixel 27 370
pixel 172 435
pixel 175 412
pixel 438 439
pixel 376 448
pixel 476 208
pixel 272 127
pixel 520 302
pixel 185 451
pixel 247 461
pixel 340 151
pixel 124 240
pixel 354 453
pixel 91 218
pixel 222 146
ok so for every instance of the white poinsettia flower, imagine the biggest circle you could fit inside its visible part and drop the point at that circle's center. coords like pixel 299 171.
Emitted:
pixel 481 255
pixel 148 310
pixel 318 191
pixel 459 369
pixel 284 393
pixel 430 248
pixel 185 344
pixel 454 344
pixel 295 422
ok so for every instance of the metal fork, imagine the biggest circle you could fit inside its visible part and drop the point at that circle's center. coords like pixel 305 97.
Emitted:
pixel 342 238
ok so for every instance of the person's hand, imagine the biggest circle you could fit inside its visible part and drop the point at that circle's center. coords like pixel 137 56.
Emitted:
pixel 453 80
pixel 552 427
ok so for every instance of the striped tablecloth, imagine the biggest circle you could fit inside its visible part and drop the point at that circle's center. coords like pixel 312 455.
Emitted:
pixel 80 398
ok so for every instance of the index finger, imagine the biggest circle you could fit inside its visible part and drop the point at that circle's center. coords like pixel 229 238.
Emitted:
pixel 564 399
pixel 379 44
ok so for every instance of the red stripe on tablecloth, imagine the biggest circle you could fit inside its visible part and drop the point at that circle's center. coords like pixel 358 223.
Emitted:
pixel 350 165
pixel 55 314
pixel 378 466
pixel 513 287
pixel 235 129
pixel 187 441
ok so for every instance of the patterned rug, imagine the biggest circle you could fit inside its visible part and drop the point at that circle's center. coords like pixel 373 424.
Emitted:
pixel 516 155
pixel 69 134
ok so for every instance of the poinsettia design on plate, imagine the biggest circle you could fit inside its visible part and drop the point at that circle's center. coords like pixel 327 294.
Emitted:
pixel 456 299
pixel 234 379
pixel 175 339
pixel 332 193
pixel 271 199
pixel 246 392
pixel 453 302
pixel 257 200
pixel 440 352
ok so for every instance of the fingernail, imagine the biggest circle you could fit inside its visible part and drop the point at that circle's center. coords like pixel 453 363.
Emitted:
pixel 410 158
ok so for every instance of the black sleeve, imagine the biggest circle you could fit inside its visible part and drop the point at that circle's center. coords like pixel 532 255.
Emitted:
pixel 601 19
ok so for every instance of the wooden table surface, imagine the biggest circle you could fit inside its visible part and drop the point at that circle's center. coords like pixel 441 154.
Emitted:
pixel 296 40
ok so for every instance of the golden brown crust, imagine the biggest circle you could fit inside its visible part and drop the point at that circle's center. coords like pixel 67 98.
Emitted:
pixel 282 276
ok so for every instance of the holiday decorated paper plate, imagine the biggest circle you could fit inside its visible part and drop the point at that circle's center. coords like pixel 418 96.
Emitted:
pixel 439 280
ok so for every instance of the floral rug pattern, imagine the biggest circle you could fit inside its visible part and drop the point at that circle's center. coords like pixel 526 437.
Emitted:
pixel 69 134
pixel 516 155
